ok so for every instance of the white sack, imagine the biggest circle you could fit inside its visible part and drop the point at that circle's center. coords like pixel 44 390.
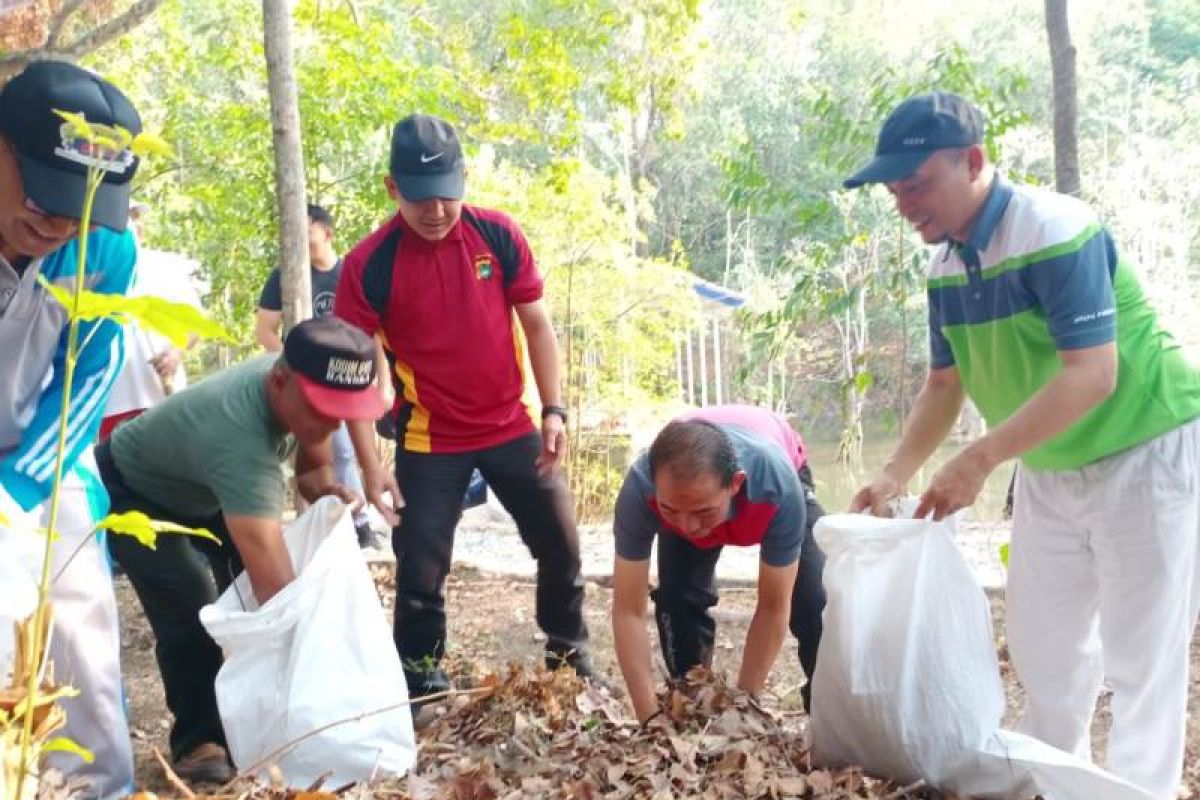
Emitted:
pixel 320 650
pixel 907 683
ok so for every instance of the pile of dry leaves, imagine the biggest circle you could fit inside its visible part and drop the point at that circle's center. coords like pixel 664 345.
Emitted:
pixel 543 734
pixel 540 734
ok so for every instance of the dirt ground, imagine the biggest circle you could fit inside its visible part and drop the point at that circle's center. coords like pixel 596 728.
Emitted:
pixel 491 624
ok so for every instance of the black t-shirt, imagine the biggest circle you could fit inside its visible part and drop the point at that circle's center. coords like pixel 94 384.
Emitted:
pixel 324 284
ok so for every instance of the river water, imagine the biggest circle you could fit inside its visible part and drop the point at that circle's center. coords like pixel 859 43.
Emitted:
pixel 837 483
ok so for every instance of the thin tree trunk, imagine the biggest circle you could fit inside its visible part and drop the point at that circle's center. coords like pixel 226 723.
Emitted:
pixel 1062 66
pixel 679 368
pixel 289 164
pixel 718 394
pixel 691 371
pixel 573 394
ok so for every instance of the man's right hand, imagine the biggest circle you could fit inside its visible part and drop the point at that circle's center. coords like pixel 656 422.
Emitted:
pixel 875 498
pixel 384 493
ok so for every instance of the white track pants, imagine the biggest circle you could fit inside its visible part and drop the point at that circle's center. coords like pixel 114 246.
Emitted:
pixel 1104 584
pixel 84 646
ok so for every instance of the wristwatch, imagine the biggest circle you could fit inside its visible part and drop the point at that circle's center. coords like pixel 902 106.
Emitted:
pixel 559 410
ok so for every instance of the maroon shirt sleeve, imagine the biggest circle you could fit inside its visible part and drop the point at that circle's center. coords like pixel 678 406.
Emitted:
pixel 527 286
pixel 350 302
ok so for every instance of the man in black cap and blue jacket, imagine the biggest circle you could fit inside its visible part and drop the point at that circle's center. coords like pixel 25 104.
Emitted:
pixel 43 175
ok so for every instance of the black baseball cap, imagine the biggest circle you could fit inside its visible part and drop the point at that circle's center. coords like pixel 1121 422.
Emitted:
pixel 426 160
pixel 915 130
pixel 334 363
pixel 52 160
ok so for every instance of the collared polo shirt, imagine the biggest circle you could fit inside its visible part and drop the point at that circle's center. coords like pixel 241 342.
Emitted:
pixel 445 311
pixel 1040 274
pixel 769 510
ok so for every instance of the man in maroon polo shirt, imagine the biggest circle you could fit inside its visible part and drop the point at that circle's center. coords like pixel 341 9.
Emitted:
pixel 453 292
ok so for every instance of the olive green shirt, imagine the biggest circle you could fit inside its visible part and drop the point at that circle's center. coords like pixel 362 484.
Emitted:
pixel 215 447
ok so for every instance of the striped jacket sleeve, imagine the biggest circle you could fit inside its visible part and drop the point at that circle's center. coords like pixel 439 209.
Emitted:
pixel 28 472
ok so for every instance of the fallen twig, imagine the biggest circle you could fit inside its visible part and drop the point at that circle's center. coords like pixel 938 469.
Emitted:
pixel 284 748
pixel 172 778
pixel 904 791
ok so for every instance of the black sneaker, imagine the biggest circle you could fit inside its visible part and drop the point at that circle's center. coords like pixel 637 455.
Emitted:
pixel 426 682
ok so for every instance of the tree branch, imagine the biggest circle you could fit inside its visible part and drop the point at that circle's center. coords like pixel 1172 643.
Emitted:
pixel 12 63
pixel 59 22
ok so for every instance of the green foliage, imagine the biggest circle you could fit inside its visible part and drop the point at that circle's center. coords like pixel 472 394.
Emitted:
pixel 640 141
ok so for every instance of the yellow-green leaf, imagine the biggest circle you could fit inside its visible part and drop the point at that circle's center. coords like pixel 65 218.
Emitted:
pixel 147 144
pixel 42 699
pixel 1004 555
pixel 175 321
pixel 61 744
pixel 78 122
pixel 146 530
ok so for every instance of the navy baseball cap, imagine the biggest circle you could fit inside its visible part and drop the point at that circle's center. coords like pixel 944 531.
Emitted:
pixel 334 363
pixel 915 130
pixel 53 161
pixel 427 160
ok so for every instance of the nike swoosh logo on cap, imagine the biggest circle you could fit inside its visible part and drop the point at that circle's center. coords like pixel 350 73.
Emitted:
pixel 426 159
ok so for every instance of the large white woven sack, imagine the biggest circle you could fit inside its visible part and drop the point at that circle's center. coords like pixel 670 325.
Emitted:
pixel 907 683
pixel 317 652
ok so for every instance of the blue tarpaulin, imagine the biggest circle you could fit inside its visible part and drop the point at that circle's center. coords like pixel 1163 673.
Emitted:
pixel 718 294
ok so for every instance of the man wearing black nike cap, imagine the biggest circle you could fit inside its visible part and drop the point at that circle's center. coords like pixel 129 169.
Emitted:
pixel 212 457
pixel 453 291
pixel 43 174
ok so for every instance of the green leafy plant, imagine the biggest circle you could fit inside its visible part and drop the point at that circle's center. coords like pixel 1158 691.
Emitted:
pixel 29 713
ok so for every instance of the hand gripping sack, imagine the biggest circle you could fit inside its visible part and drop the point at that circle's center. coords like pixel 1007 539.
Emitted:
pixel 317 652
pixel 907 684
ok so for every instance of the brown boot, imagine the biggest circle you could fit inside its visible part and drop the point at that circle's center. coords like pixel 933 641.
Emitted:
pixel 205 763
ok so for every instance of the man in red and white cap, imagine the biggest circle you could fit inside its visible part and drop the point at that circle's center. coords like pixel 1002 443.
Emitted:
pixel 212 456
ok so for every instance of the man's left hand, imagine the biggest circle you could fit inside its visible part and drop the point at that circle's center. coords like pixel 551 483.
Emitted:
pixel 554 444
pixel 957 484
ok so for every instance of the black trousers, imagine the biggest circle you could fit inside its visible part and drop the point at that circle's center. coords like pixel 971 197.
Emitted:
pixel 433 485
pixel 173 582
pixel 687 590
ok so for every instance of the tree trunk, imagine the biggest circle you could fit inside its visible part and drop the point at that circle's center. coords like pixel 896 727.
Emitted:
pixel 289 164
pixel 1062 65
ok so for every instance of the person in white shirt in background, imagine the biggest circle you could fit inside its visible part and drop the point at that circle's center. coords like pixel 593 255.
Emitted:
pixel 153 365
pixel 326 269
